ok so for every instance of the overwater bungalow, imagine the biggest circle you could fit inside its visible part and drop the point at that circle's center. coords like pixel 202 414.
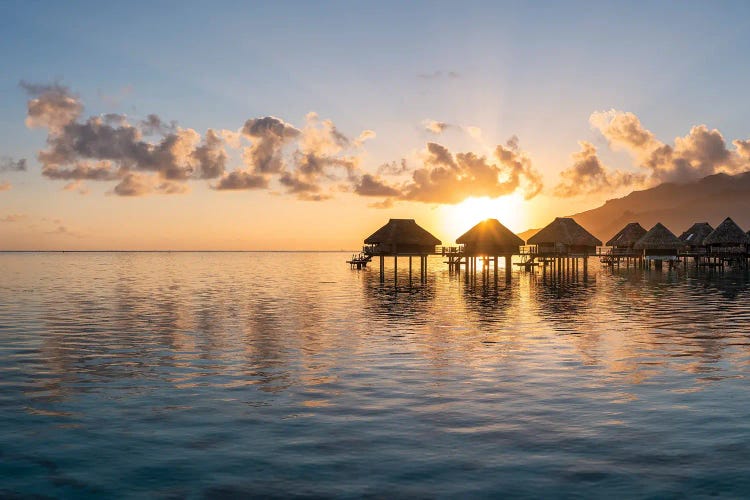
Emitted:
pixel 622 245
pixel 565 237
pixel 562 240
pixel 489 239
pixel 692 239
pixel 659 244
pixel 728 242
pixel 401 237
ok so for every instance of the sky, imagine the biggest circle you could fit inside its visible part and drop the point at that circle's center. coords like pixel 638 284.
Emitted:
pixel 307 125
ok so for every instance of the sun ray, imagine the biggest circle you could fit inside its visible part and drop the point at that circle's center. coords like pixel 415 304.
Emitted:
pixel 510 210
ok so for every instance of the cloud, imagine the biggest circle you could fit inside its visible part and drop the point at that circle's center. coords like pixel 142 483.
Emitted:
pixel 210 157
pixel 5 186
pixel 8 164
pixel 51 106
pixel 153 125
pixel 370 185
pixel 365 135
pixel 743 148
pixel 268 135
pixel 701 152
pixel 394 168
pixel 449 178
pixel 95 171
pixel 154 156
pixel 77 186
pixel 435 126
pixel 136 184
pixel 109 147
pixel 520 167
pixel 588 175
pixel 322 153
pixel 241 179
pixel 386 203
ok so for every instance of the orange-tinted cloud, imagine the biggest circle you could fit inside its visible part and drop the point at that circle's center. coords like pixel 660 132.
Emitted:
pixel 51 106
pixel 701 152
pixel 588 175
pixel 451 178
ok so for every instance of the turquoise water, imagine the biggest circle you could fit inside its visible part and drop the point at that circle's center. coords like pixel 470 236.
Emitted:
pixel 289 374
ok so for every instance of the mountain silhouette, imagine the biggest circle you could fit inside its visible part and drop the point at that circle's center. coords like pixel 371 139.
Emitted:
pixel 676 205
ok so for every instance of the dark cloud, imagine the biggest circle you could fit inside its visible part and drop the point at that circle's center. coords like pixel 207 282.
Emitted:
pixel 210 157
pixel 99 171
pixel 304 190
pixel 10 165
pixel 108 147
pixel 370 185
pixel 176 157
pixel 268 135
pixel 439 156
pixel 241 179
pixel 588 175
pixel 153 125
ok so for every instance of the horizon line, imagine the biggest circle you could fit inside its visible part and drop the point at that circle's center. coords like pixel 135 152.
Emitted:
pixel 177 251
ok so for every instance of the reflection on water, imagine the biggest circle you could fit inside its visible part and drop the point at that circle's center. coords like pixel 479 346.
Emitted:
pixel 217 374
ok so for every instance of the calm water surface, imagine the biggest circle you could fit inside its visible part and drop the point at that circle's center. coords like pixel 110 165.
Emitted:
pixel 278 374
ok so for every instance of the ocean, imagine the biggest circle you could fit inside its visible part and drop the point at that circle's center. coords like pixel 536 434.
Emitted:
pixel 214 375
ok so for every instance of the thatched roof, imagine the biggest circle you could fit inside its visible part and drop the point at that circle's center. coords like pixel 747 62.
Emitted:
pixel 727 233
pixel 564 230
pixel 402 232
pixel 490 233
pixel 627 235
pixel 696 234
pixel 658 238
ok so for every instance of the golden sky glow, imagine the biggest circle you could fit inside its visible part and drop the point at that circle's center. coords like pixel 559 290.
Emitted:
pixel 318 129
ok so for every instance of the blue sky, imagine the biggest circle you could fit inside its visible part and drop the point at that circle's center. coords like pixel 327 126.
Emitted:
pixel 536 70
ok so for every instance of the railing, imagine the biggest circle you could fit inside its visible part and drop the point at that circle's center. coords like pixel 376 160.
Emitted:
pixel 449 250
pixel 370 249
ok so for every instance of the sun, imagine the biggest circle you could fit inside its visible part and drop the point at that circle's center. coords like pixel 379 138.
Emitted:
pixel 509 210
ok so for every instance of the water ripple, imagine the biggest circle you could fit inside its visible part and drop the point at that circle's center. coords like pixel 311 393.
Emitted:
pixel 277 374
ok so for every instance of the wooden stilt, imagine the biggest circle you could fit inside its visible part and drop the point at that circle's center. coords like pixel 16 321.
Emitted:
pixel 508 269
pixel 382 269
pixel 585 268
pixel 410 271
